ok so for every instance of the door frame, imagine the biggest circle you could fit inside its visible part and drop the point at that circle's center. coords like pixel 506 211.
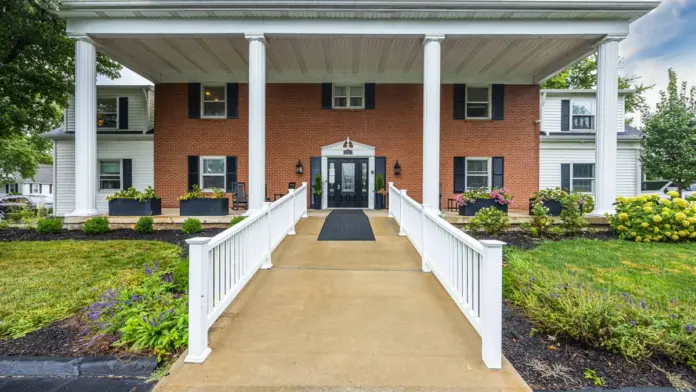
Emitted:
pixel 348 149
pixel 358 166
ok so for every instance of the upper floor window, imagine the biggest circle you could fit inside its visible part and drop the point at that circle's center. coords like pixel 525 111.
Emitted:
pixel 583 117
pixel 478 102
pixel 107 113
pixel 348 96
pixel 213 101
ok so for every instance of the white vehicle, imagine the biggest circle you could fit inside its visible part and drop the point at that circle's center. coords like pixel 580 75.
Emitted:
pixel 690 191
pixel 661 187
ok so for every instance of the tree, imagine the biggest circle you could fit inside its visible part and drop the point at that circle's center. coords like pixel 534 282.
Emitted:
pixel 583 75
pixel 37 69
pixel 669 136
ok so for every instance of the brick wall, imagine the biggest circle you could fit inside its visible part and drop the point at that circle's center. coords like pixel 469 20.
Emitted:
pixel 297 127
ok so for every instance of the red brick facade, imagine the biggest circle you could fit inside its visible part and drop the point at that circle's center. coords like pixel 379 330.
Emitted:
pixel 297 127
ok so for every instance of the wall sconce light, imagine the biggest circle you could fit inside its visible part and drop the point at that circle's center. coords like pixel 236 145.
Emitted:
pixel 397 169
pixel 299 169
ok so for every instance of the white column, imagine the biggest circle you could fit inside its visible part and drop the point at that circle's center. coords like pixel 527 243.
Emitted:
pixel 607 101
pixel 85 128
pixel 431 119
pixel 257 121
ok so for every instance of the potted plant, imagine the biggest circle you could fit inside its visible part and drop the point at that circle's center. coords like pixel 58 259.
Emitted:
pixel 475 199
pixel 380 192
pixel 317 190
pixel 553 198
pixel 131 202
pixel 197 203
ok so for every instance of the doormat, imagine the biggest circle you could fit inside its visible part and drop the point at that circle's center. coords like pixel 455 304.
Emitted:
pixel 346 225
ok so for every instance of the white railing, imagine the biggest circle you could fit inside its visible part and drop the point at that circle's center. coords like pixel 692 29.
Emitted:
pixel 471 271
pixel 220 267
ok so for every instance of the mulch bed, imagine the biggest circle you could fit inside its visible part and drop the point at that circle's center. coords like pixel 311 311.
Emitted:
pixel 525 351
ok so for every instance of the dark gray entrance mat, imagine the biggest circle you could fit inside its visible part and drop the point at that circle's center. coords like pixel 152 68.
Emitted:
pixel 346 225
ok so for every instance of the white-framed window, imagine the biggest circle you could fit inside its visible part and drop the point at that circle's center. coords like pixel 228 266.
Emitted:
pixel 348 96
pixel 213 171
pixel 214 101
pixel 107 113
pixel 110 174
pixel 478 102
pixel 13 188
pixel 478 173
pixel 582 177
pixel 35 188
pixel 583 114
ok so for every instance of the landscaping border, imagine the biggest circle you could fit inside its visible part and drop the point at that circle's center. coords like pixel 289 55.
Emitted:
pixel 76 367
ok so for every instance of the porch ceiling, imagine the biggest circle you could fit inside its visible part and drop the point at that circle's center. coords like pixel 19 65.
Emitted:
pixel 218 58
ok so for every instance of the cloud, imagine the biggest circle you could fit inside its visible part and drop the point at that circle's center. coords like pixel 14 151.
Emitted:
pixel 128 77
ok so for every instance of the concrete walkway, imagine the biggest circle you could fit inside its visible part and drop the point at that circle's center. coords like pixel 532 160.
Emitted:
pixel 343 316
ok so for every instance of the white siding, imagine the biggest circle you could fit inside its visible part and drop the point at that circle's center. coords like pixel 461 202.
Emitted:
pixel 551 112
pixel 137 110
pixel 151 105
pixel 553 154
pixel 139 150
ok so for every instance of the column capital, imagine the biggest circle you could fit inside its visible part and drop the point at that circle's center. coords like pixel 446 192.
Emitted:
pixel 433 38
pixel 83 38
pixel 613 38
pixel 255 37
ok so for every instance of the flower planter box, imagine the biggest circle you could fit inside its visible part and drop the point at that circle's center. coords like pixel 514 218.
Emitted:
pixel 133 207
pixel 555 207
pixel 204 207
pixel 379 201
pixel 317 202
pixel 472 208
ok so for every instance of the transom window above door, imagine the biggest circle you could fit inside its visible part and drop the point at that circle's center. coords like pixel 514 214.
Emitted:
pixel 348 96
pixel 583 117
pixel 478 102
pixel 213 101
pixel 212 173
pixel 107 113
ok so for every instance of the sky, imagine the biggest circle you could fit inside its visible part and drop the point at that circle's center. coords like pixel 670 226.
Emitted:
pixel 663 39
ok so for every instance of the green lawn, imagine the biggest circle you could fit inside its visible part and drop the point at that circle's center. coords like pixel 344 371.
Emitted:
pixel 43 282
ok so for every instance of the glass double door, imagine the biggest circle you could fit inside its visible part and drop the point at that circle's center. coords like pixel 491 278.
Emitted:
pixel 348 182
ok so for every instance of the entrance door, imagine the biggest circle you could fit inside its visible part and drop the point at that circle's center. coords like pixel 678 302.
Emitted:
pixel 348 182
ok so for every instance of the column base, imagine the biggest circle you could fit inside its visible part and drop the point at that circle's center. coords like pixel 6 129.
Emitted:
pixel 78 213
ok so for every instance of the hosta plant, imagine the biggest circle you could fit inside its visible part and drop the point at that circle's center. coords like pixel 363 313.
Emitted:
pixel 648 218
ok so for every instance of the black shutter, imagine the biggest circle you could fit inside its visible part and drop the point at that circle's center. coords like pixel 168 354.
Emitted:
pixel 381 168
pixel 50 188
pixel 232 100
pixel 123 113
pixel 231 173
pixel 7 188
pixel 460 102
pixel 193 163
pixel 369 96
pixel 314 170
pixel 194 100
pixel 326 95
pixel 40 189
pixel 459 174
pixel 565 115
pixel 498 101
pixel 565 176
pixel 498 172
pixel 127 173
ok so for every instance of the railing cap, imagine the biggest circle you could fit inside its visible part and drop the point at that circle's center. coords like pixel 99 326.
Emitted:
pixel 492 243
pixel 198 240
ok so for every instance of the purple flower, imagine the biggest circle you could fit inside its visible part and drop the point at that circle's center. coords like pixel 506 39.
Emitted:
pixel 532 279
pixel 633 323
pixel 148 271
pixel 643 304
pixel 689 328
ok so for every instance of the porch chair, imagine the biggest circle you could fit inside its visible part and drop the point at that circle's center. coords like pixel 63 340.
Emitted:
pixel 240 195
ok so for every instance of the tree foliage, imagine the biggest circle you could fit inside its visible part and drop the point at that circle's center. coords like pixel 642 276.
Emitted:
pixel 583 75
pixel 37 68
pixel 669 136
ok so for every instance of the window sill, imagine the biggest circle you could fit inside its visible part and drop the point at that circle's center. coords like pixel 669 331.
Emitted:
pixel 214 118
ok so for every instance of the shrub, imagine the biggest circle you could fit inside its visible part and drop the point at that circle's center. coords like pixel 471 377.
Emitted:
pixel 96 225
pixel 49 226
pixel 499 195
pixel 541 224
pixel 236 219
pixel 649 218
pixel 132 193
pixel 144 225
pixel 196 193
pixel 574 207
pixel 491 220
pixel 4 225
pixel 192 226
pixel 549 194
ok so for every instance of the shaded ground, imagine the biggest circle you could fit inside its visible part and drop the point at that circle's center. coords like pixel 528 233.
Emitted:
pixel 76 384
pixel 527 350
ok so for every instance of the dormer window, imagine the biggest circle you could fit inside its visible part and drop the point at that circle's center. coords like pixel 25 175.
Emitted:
pixel 107 113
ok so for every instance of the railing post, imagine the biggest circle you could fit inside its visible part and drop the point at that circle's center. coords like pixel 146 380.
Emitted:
pixel 402 196
pixel 389 195
pixel 269 242
pixel 304 205
pixel 199 265
pixel 491 286
pixel 292 212
pixel 425 267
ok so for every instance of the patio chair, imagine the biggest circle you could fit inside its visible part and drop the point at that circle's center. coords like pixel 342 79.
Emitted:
pixel 292 185
pixel 240 195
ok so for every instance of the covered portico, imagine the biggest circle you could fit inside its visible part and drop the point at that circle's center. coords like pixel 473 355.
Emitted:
pixel 428 43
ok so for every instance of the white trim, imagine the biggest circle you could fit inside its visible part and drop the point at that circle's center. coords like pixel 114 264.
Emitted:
pixel 489 169
pixel 490 101
pixel 203 101
pixel 348 96
pixel 360 151
pixel 201 159
pixel 99 174
pixel 594 115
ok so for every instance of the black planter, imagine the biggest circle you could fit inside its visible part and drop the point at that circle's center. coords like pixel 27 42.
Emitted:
pixel 472 208
pixel 555 207
pixel 204 207
pixel 379 201
pixel 132 207
pixel 317 201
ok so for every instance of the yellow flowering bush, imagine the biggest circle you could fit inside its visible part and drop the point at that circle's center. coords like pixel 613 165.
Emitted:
pixel 648 218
